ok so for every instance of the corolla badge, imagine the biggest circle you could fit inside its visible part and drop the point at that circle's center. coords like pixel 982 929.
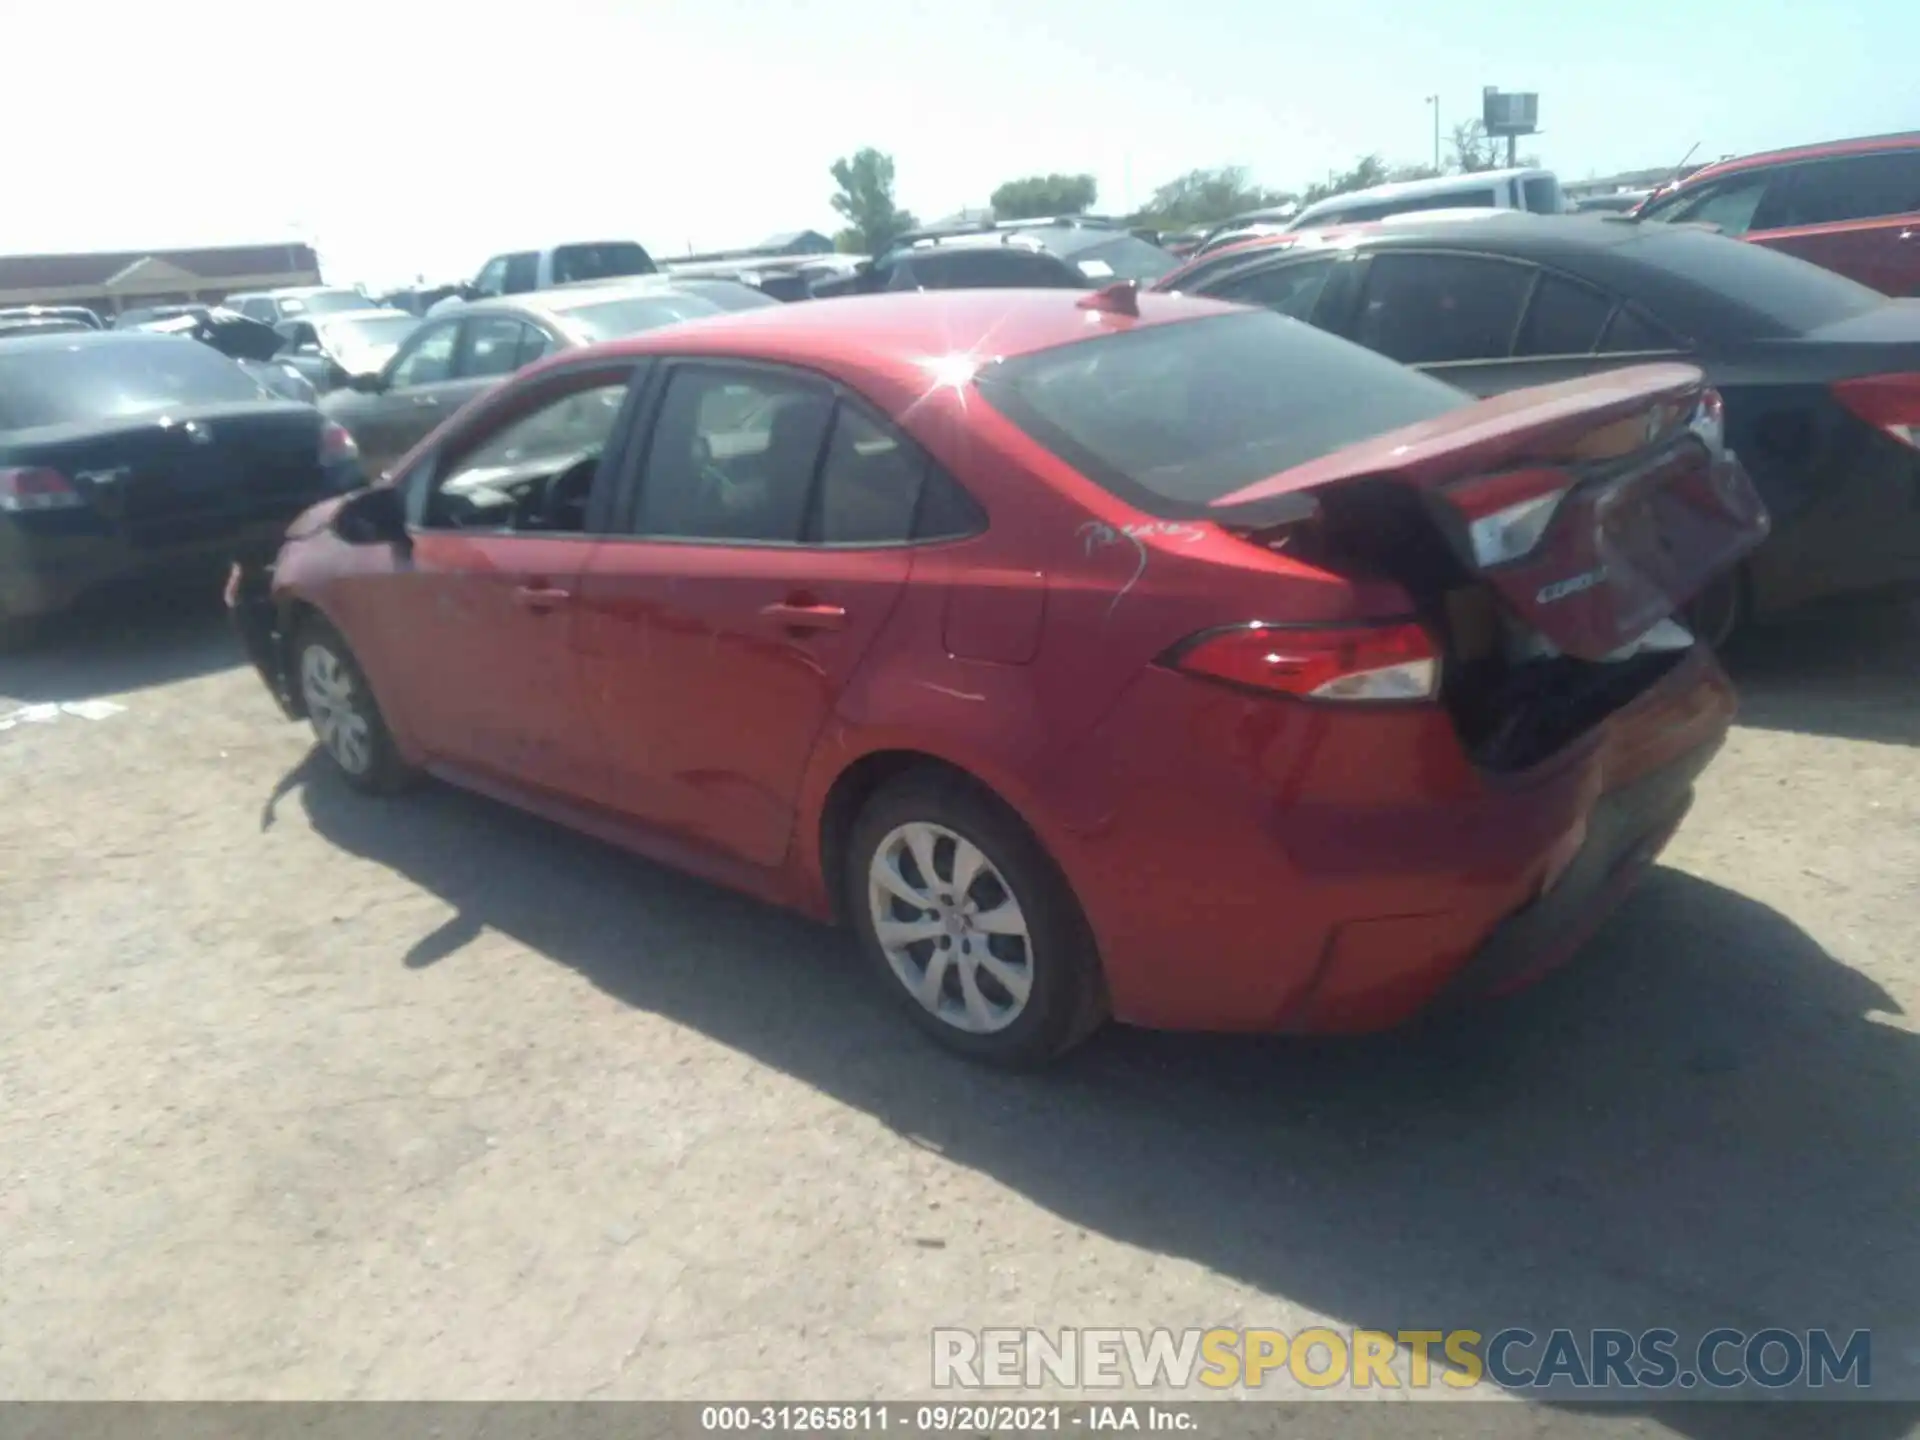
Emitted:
pixel 1573 585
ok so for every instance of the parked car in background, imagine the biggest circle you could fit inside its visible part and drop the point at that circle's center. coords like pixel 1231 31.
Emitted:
pixel 296 302
pixel 959 616
pixel 39 320
pixel 1820 376
pixel 451 358
pixel 1066 253
pixel 250 344
pixel 1525 188
pixel 329 350
pixel 129 456
pixel 524 271
pixel 1851 205
pixel 47 319
pixel 782 278
pixel 417 300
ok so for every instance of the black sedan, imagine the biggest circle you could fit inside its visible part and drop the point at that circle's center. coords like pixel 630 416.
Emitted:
pixel 1820 376
pixel 131 456
pixel 457 353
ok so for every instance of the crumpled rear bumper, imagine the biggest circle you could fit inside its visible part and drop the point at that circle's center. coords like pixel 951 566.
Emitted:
pixel 256 621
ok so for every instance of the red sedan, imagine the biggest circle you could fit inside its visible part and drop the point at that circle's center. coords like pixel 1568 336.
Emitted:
pixel 1116 655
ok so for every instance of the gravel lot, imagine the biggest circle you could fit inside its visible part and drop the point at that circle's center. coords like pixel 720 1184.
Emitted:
pixel 305 1095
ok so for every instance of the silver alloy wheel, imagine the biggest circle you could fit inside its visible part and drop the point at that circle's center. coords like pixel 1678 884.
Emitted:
pixel 951 927
pixel 333 704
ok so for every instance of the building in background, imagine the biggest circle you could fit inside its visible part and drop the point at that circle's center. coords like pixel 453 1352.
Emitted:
pixel 110 282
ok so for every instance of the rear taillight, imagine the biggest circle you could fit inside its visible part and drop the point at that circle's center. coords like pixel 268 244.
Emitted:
pixel 1507 514
pixel 37 489
pixel 1355 662
pixel 1709 420
pixel 336 445
pixel 1891 402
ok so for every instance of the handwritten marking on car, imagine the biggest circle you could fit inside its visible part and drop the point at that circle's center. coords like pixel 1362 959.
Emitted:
pixel 1573 585
pixel 1097 534
pixel 956 694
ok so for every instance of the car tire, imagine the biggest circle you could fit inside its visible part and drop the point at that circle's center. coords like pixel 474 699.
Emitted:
pixel 343 712
pixel 1718 613
pixel 1007 967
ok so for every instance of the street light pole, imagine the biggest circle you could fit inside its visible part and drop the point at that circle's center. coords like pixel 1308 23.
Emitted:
pixel 1434 101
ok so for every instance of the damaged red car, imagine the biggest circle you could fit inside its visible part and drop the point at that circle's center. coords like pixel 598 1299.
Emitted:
pixel 1125 655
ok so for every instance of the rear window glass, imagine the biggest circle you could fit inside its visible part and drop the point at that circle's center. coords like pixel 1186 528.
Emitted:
pixel 59 385
pixel 1125 258
pixel 607 260
pixel 1172 417
pixel 1793 295
pixel 611 318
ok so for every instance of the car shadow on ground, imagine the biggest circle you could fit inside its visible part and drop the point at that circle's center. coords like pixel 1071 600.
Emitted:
pixel 110 647
pixel 1705 1121
pixel 1847 670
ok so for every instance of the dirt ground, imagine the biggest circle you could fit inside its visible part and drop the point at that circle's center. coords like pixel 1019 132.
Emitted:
pixel 306 1095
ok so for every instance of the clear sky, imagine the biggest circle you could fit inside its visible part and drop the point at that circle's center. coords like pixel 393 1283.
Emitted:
pixel 405 137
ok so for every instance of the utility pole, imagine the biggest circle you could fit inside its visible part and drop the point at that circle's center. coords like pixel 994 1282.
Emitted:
pixel 1434 101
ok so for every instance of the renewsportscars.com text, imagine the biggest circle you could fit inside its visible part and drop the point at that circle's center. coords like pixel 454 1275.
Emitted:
pixel 1322 1358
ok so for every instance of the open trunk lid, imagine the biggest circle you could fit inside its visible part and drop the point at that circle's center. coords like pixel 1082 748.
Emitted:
pixel 1594 508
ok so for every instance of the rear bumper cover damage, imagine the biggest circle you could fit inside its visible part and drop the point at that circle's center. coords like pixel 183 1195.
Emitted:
pixel 255 618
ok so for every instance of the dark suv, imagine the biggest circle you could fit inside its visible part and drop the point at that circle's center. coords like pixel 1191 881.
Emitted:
pixel 1027 254
pixel 1852 206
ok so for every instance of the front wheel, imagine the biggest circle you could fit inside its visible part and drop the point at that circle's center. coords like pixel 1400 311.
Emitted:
pixel 346 718
pixel 970 925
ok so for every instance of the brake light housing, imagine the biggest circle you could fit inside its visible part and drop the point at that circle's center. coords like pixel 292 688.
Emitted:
pixel 36 488
pixel 337 445
pixel 1507 514
pixel 1393 663
pixel 1888 402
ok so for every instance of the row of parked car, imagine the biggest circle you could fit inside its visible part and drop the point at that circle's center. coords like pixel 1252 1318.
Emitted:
pixel 1295 636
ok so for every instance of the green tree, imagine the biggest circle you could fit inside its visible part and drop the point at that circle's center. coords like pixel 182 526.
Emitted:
pixel 1205 197
pixel 1040 195
pixel 1473 149
pixel 1367 172
pixel 866 203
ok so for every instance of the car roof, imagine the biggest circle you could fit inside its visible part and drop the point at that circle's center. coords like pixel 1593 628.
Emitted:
pixel 1826 150
pixel 557 301
pixel 1613 251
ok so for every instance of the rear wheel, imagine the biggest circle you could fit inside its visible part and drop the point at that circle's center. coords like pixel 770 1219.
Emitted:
pixel 969 923
pixel 346 719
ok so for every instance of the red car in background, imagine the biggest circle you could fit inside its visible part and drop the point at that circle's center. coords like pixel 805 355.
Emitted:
pixel 1850 205
pixel 1090 655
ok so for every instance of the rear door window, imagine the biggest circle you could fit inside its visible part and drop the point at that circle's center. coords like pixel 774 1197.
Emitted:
pixel 1854 187
pixel 1285 289
pixel 490 346
pixel 1172 417
pixel 1429 309
pixel 1630 332
pixel 1563 318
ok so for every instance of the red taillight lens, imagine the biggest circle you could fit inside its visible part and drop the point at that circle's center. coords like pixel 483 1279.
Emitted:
pixel 336 445
pixel 1891 402
pixel 1358 662
pixel 37 489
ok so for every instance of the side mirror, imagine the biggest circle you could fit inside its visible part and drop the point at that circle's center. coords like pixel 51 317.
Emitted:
pixel 375 516
pixel 371 384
